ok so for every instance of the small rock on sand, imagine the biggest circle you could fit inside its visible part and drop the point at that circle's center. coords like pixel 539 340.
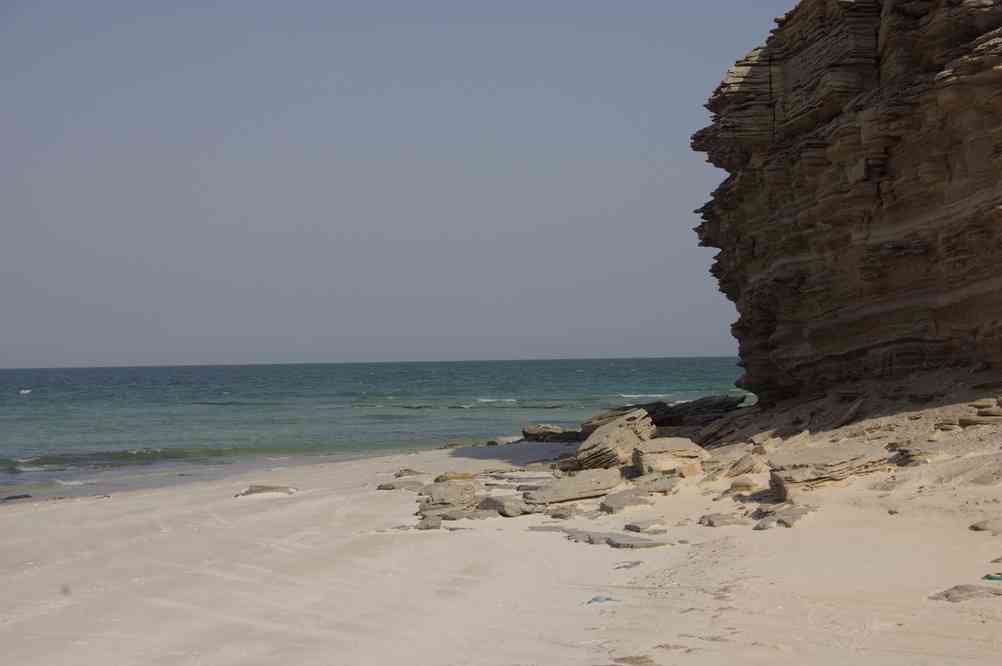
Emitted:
pixel 509 506
pixel 966 593
pixel 407 471
pixel 993 525
pixel 256 489
pixel 404 484
pixel 653 526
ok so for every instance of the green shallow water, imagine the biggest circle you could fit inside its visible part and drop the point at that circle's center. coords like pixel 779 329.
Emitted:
pixel 63 424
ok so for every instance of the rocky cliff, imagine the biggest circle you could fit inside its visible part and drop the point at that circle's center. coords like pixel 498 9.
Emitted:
pixel 860 225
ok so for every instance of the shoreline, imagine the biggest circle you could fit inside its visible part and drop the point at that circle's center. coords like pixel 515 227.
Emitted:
pixel 168 473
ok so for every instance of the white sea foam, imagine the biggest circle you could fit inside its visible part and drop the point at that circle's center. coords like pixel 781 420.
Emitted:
pixel 490 400
pixel 25 392
pixel 80 482
pixel 643 395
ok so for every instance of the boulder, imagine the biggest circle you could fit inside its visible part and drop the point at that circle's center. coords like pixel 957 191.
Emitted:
pixel 677 455
pixel 545 432
pixel 625 499
pixel 583 485
pixel 612 444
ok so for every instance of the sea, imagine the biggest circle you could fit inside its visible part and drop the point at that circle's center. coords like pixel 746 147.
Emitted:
pixel 80 431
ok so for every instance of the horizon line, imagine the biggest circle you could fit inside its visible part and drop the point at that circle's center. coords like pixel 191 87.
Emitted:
pixel 301 363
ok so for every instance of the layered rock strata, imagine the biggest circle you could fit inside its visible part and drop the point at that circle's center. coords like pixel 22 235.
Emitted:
pixel 861 220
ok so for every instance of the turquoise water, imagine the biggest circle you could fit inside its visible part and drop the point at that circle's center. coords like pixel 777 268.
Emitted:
pixel 57 426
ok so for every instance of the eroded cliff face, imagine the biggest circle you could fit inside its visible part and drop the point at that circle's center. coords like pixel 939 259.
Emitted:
pixel 860 227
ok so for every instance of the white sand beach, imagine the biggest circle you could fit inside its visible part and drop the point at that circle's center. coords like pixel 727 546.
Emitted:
pixel 193 575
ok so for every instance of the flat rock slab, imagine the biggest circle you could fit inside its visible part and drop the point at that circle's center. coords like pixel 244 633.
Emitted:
pixel 785 517
pixel 618 502
pixel 612 444
pixel 658 484
pixel 966 593
pixel 723 520
pixel 969 421
pixel 455 476
pixel 631 542
pixel 799 469
pixel 583 485
pixel 626 541
pixel 256 489
pixel 462 514
pixel 412 485
pixel 545 432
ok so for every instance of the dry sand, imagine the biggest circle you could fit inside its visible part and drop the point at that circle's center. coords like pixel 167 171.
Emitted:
pixel 193 575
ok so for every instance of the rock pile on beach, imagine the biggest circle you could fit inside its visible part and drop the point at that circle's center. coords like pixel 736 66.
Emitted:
pixel 768 466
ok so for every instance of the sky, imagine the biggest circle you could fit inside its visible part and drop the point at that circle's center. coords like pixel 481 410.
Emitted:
pixel 250 181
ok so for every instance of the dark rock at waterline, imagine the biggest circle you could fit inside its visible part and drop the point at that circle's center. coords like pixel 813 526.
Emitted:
pixel 14 498
pixel 546 432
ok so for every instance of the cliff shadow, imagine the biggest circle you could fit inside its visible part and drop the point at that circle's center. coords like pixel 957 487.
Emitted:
pixel 886 412
pixel 519 453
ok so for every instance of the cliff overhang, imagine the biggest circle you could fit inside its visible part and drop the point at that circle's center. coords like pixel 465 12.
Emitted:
pixel 860 224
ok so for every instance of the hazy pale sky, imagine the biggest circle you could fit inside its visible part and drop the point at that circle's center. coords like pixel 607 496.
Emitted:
pixel 317 180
